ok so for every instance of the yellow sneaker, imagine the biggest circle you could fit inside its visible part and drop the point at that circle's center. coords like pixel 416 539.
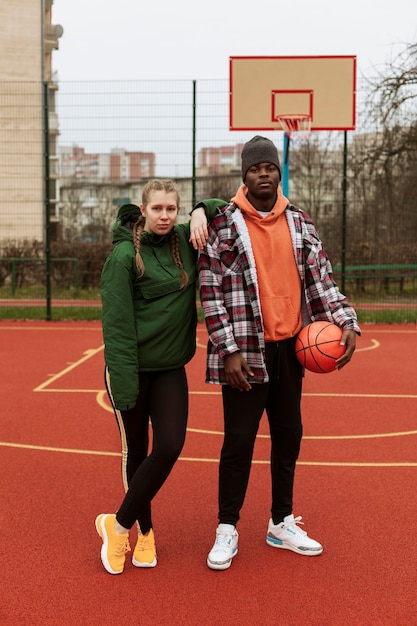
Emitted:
pixel 115 546
pixel 144 554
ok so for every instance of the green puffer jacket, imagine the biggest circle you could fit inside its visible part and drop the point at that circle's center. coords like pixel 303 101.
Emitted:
pixel 149 323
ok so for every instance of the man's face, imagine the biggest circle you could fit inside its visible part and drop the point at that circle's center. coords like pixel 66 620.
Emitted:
pixel 262 181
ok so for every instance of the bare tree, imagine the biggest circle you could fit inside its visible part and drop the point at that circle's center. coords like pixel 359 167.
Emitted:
pixel 385 169
pixel 393 93
pixel 316 172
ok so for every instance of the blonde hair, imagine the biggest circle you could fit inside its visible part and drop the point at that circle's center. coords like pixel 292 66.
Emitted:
pixel 168 186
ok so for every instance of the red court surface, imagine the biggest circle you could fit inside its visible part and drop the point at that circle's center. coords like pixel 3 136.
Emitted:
pixel 355 488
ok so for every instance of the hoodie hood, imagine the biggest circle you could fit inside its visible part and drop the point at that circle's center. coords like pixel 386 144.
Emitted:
pixel 246 207
pixel 127 215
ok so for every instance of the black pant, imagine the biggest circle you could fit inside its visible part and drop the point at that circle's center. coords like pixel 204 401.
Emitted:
pixel 281 398
pixel 163 398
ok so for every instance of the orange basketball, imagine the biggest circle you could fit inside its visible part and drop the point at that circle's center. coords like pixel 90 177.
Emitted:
pixel 318 346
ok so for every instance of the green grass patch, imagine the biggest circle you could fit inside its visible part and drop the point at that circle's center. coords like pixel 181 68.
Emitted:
pixel 387 316
pixel 57 313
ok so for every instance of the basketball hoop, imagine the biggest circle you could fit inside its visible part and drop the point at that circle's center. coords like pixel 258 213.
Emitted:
pixel 296 125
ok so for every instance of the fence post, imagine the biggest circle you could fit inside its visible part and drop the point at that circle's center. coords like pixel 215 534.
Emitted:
pixel 76 277
pixel 13 277
pixel 47 202
pixel 193 183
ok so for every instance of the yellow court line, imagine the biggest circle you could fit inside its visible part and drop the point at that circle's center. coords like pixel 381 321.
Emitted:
pixel 362 395
pixel 92 352
pixel 101 395
pixel 205 460
pixel 374 344
pixel 315 463
pixel 405 433
pixel 349 464
pixel 58 390
pixel 88 354
pixel 26 446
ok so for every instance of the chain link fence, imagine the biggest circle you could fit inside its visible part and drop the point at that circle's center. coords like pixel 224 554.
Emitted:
pixel 72 153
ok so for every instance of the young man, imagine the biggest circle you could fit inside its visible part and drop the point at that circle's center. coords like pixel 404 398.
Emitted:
pixel 263 275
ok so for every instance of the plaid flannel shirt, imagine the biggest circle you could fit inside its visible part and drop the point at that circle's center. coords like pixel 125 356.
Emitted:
pixel 230 297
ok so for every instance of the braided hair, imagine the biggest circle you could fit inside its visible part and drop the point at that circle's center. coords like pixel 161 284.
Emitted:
pixel 169 187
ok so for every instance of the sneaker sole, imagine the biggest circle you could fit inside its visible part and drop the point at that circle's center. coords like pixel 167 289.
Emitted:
pixel 221 565
pixel 139 564
pixel 102 532
pixel 277 543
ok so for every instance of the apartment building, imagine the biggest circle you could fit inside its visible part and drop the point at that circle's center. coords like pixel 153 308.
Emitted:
pixel 27 151
pixel 220 160
pixel 117 165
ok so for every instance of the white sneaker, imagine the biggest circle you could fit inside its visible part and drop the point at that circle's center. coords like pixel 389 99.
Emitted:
pixel 287 535
pixel 225 547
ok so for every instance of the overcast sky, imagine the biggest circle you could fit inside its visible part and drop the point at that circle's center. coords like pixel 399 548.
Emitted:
pixel 186 39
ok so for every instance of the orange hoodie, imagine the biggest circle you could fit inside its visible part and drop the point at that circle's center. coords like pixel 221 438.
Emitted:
pixel 278 278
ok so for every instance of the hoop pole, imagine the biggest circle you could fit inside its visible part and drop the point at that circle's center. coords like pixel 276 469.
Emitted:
pixel 286 165
pixel 344 206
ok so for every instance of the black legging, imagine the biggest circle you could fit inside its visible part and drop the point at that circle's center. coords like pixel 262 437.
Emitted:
pixel 163 398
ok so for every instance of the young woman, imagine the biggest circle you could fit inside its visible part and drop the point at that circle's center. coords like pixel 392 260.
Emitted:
pixel 149 326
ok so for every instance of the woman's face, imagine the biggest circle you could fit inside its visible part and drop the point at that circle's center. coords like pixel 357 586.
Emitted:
pixel 160 212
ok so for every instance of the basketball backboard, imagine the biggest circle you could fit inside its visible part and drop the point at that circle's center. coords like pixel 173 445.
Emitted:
pixel 263 88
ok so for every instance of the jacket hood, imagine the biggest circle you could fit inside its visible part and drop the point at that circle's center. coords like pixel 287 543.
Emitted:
pixel 127 215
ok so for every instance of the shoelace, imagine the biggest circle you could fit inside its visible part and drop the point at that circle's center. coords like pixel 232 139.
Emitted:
pixel 223 539
pixel 145 543
pixel 122 546
pixel 294 524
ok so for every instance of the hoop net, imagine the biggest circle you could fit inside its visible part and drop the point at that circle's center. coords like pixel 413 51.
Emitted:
pixel 296 125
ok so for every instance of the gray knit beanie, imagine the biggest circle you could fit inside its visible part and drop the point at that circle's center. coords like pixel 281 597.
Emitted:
pixel 259 150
